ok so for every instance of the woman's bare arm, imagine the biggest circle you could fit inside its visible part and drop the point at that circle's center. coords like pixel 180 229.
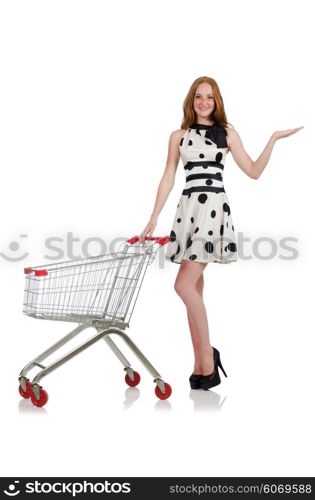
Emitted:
pixel 166 182
pixel 252 168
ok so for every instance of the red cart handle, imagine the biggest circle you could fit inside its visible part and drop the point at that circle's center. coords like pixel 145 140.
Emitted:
pixel 37 272
pixel 162 240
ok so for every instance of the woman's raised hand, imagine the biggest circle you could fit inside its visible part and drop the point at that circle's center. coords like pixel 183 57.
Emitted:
pixel 285 133
pixel 148 230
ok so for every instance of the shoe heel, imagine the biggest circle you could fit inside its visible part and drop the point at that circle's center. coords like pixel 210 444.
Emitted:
pixel 220 365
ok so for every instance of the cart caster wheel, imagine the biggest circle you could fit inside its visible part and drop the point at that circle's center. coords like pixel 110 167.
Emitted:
pixel 162 395
pixel 135 381
pixel 26 394
pixel 43 398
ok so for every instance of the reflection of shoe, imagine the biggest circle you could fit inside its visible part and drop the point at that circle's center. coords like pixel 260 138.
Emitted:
pixel 209 381
pixel 195 381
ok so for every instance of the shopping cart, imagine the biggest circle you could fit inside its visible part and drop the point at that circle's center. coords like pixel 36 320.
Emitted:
pixel 98 292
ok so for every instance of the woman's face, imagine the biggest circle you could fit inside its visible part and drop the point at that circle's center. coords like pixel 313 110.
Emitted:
pixel 204 102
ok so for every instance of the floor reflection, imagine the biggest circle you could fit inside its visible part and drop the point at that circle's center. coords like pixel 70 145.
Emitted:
pixel 132 394
pixel 163 405
pixel 206 400
pixel 26 406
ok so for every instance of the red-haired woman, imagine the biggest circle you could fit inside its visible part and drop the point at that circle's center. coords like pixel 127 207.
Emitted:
pixel 203 229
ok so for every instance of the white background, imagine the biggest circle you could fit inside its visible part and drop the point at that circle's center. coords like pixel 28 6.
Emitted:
pixel 90 92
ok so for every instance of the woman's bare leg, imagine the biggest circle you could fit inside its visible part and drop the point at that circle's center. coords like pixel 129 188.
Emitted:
pixel 186 287
pixel 193 332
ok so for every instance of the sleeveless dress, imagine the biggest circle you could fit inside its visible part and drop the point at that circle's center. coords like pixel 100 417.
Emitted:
pixel 203 229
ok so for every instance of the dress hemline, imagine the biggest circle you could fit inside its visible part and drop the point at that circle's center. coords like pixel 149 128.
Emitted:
pixel 230 261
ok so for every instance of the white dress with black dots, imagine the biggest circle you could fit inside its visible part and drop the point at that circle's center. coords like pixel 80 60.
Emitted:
pixel 203 229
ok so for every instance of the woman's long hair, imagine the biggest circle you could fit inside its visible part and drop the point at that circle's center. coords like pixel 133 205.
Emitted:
pixel 218 114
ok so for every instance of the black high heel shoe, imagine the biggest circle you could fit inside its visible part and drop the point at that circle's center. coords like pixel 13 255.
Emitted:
pixel 208 381
pixel 195 381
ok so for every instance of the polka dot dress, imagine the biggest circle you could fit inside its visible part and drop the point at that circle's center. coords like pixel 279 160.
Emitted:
pixel 203 229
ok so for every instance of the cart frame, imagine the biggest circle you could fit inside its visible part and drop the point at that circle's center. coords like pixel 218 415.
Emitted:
pixel 104 327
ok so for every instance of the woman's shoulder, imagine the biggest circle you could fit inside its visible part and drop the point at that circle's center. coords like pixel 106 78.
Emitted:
pixel 230 130
pixel 231 133
pixel 177 134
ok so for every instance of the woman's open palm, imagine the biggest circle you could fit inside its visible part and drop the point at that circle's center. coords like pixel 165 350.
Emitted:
pixel 285 133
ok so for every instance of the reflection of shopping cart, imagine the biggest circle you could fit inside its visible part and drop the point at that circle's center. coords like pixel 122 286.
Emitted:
pixel 98 292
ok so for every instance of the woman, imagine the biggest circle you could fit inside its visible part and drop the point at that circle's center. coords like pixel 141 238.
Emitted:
pixel 203 229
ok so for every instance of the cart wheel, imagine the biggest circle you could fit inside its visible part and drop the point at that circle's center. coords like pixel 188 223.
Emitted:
pixel 43 398
pixel 26 394
pixel 162 395
pixel 135 381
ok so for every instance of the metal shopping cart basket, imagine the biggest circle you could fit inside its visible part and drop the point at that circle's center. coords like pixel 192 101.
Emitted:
pixel 98 292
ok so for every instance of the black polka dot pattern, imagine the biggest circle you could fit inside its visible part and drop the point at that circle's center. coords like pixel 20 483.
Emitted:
pixel 232 247
pixel 202 198
pixel 209 247
pixel 226 208
pixel 203 229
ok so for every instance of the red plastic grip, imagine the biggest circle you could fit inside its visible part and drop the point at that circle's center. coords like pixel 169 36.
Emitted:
pixel 37 272
pixel 162 240
pixel 41 272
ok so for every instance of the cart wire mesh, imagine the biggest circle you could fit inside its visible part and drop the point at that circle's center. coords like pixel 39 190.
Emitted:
pixel 103 288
